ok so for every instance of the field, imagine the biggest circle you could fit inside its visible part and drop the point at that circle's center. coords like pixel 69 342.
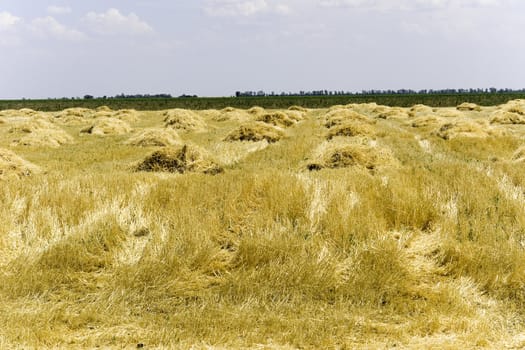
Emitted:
pixel 357 226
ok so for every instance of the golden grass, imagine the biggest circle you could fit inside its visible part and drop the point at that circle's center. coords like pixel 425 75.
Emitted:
pixel 255 132
pixel 184 120
pixel 107 126
pixel 40 132
pixel 340 116
pixel 404 241
pixel 467 106
pixel 180 159
pixel 12 165
pixel 154 137
pixel 279 119
pixel 343 154
pixel 467 128
pixel 506 117
pixel 351 128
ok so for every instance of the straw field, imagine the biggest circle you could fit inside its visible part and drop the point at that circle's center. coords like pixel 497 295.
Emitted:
pixel 360 226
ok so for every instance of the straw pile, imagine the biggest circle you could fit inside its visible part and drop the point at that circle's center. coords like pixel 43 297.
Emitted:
pixel 506 117
pixel 232 114
pixel 129 115
pixel 466 128
pixel 340 116
pixel 40 132
pixel 280 119
pixel 154 137
pixel 467 106
pixel 425 121
pixel 296 116
pixel 74 115
pixel 256 110
pixel 298 108
pixel 351 129
pixel 103 109
pixel 12 166
pixel 395 113
pixel 255 132
pixel 419 109
pixel 331 155
pixel 184 120
pixel 2 120
pixel 107 127
pixel 514 106
pixel 179 159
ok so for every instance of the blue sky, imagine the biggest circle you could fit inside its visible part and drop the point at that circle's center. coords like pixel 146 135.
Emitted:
pixel 215 47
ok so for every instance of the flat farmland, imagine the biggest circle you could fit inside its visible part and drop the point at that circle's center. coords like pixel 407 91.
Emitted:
pixel 358 226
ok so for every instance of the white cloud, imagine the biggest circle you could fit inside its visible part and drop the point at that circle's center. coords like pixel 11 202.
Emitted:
pixel 113 22
pixel 8 21
pixel 58 10
pixel 50 27
pixel 409 4
pixel 236 8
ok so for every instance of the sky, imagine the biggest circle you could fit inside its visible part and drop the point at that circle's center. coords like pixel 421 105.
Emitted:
pixel 70 48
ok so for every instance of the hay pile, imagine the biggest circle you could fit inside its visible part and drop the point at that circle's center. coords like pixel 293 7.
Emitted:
pixel 232 114
pixel 74 115
pixel 395 113
pixel 419 110
pixel 2 120
pixel 255 131
pixel 506 117
pixel 298 109
pixel 12 166
pixel 296 116
pixel 107 126
pixel 351 129
pixel 467 106
pixel 519 155
pixel 181 159
pixel 184 120
pixel 280 119
pixel 256 110
pixel 466 128
pixel 40 132
pixel 514 106
pixel 154 137
pixel 425 121
pixel 331 155
pixel 103 109
pixel 340 116
pixel 129 115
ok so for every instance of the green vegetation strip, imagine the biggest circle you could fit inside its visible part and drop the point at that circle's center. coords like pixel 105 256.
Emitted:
pixel 199 103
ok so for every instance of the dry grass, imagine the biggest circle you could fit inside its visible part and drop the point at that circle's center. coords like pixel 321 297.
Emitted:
pixel 519 155
pixel 341 116
pixel 40 132
pixel 154 137
pixel 279 119
pixel 425 121
pixel 298 109
pixel 233 114
pixel 506 117
pixel 12 166
pixel 343 154
pixel 180 159
pixel 467 106
pixel 184 120
pixel 467 128
pixel 107 127
pixel 407 241
pixel 419 110
pixel 393 113
pixel 255 132
pixel 352 129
